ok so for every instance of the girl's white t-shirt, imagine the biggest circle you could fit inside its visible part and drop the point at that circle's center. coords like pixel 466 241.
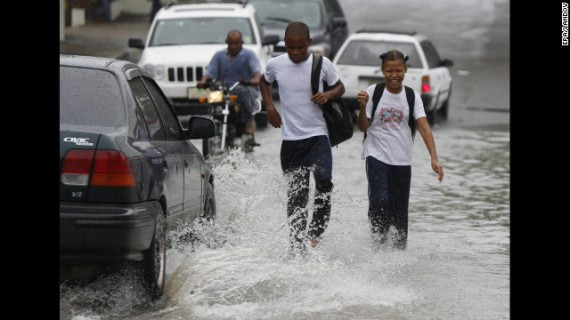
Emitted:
pixel 389 137
pixel 301 118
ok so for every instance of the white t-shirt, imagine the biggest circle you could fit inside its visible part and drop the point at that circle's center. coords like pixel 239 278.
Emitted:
pixel 389 137
pixel 301 118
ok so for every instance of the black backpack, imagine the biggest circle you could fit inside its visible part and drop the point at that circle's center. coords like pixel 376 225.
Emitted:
pixel 410 96
pixel 335 112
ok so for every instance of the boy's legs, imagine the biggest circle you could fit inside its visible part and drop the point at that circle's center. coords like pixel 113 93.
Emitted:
pixel 297 158
pixel 320 160
pixel 298 196
pixel 297 190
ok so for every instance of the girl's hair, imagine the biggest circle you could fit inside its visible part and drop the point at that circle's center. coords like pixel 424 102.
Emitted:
pixel 393 55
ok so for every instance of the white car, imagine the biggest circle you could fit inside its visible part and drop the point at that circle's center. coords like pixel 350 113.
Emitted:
pixel 358 65
pixel 184 37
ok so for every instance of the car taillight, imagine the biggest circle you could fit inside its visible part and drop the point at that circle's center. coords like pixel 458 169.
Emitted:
pixel 425 84
pixel 76 167
pixel 112 169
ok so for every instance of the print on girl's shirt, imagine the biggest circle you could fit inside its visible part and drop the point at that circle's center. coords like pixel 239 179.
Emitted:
pixel 391 117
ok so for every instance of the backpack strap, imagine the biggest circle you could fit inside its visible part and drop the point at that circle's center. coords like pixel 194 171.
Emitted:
pixel 410 96
pixel 316 72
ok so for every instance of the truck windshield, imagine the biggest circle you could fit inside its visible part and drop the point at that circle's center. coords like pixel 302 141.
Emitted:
pixel 169 32
pixel 281 13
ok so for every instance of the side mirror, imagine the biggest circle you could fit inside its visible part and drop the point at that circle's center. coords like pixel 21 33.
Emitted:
pixel 270 40
pixel 200 128
pixel 339 22
pixel 446 63
pixel 136 43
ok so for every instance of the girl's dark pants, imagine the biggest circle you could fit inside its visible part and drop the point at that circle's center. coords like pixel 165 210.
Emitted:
pixel 388 196
pixel 298 159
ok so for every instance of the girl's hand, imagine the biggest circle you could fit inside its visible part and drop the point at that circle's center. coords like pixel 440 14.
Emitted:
pixel 436 166
pixel 362 98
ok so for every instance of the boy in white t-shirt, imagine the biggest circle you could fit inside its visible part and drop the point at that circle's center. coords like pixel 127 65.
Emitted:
pixel 387 149
pixel 305 145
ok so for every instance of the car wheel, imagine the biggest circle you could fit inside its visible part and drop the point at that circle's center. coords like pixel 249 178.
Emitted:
pixel 154 262
pixel 442 112
pixel 195 233
pixel 209 212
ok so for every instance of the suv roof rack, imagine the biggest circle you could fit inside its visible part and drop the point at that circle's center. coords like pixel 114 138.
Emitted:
pixel 382 30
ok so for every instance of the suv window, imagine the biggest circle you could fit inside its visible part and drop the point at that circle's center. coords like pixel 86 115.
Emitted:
pixel 283 13
pixel 90 97
pixel 200 31
pixel 432 56
pixel 367 53
pixel 149 113
pixel 171 124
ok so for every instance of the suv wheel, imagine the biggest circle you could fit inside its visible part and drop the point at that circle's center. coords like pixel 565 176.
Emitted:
pixel 442 112
pixel 154 263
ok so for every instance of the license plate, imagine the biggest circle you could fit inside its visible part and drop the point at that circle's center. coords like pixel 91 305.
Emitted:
pixel 197 93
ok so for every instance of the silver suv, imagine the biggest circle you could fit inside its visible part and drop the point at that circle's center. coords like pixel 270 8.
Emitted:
pixel 325 19
pixel 184 37
pixel 358 66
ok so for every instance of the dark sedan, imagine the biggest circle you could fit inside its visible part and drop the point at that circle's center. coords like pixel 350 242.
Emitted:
pixel 128 170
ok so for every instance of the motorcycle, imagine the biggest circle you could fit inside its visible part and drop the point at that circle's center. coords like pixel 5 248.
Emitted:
pixel 225 112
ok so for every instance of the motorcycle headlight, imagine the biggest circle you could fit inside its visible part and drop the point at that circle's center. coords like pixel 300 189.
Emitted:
pixel 155 70
pixel 215 96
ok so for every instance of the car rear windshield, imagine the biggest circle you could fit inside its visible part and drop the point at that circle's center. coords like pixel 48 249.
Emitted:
pixel 90 97
pixel 170 32
pixel 282 13
pixel 367 53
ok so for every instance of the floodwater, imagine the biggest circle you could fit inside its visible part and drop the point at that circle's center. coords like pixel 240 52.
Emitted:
pixel 456 265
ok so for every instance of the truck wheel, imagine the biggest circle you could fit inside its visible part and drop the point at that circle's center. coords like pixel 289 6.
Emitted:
pixel 442 112
pixel 154 262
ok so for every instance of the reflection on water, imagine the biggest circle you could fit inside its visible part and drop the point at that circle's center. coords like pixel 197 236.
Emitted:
pixel 456 265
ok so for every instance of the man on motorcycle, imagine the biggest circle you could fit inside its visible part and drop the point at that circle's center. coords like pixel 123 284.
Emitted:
pixel 237 64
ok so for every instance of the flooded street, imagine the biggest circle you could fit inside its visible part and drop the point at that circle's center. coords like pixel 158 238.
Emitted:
pixel 456 265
